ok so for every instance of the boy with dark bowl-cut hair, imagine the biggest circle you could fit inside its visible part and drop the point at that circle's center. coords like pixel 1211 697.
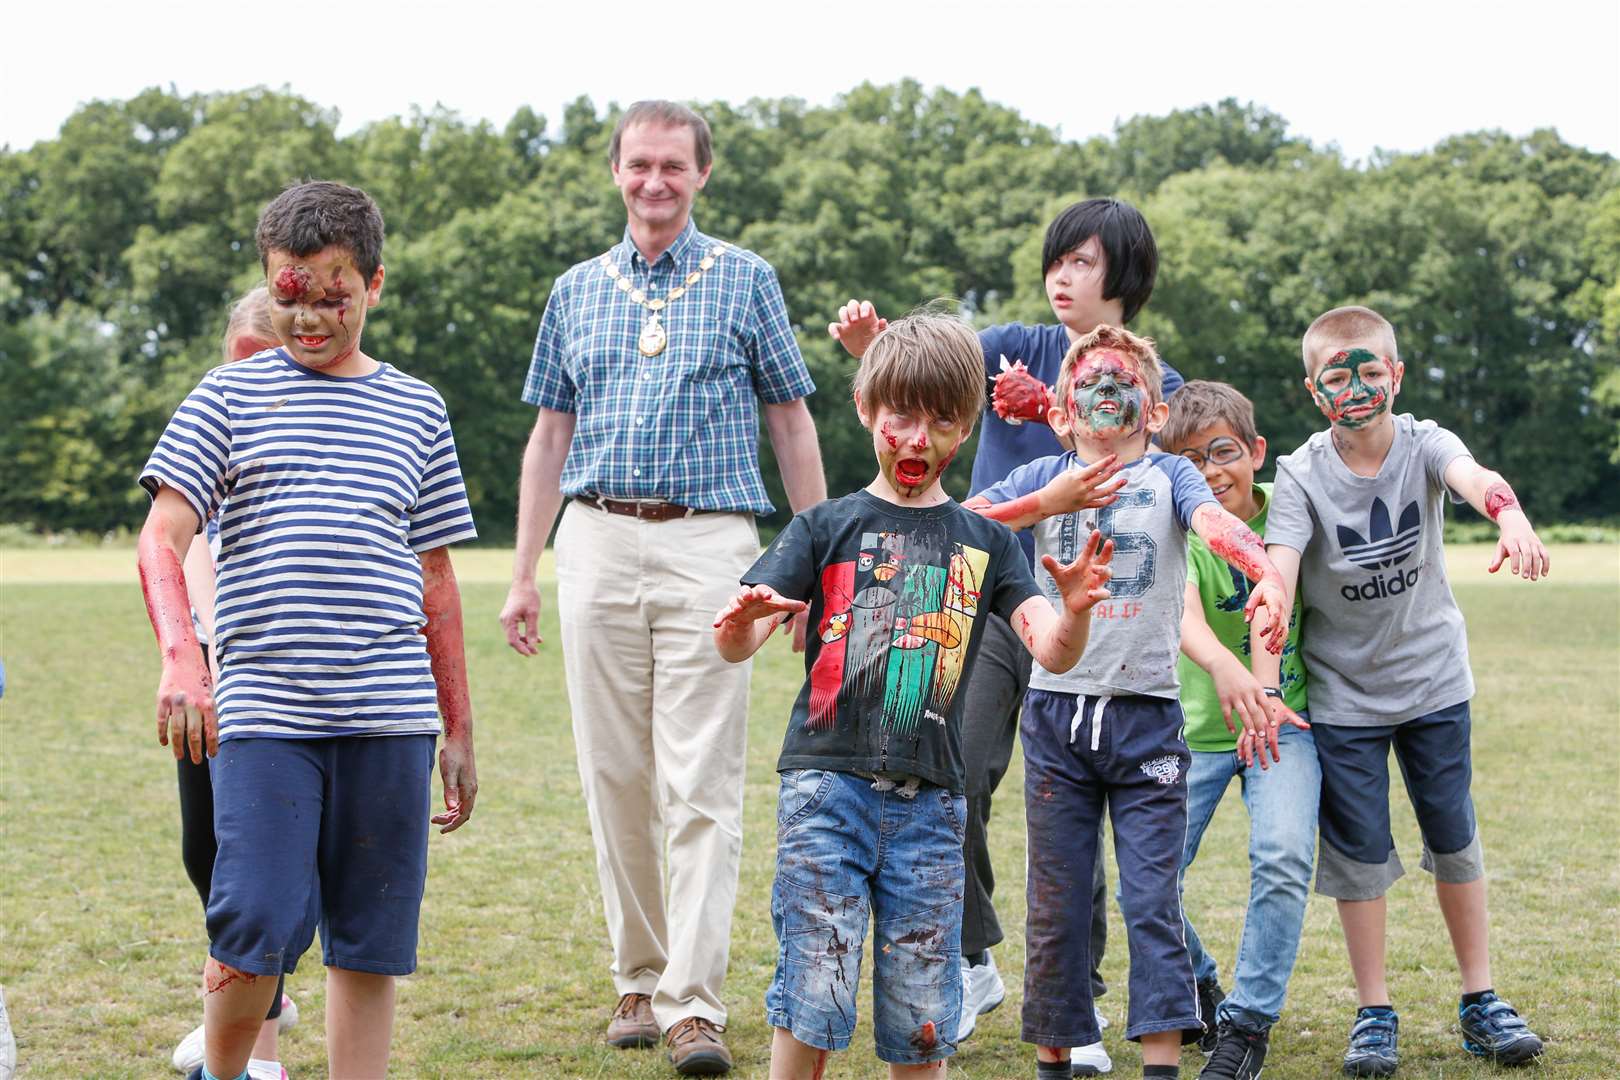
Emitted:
pixel 337 631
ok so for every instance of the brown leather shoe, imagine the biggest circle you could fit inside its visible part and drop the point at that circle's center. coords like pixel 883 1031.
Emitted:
pixel 633 1026
pixel 695 1048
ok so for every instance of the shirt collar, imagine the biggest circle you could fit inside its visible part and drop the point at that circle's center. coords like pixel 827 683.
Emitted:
pixel 677 251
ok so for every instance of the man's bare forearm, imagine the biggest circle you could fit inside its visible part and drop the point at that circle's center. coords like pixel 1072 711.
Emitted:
pixel 793 437
pixel 539 489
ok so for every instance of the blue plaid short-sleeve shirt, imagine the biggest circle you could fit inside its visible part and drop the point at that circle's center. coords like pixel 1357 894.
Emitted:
pixel 682 425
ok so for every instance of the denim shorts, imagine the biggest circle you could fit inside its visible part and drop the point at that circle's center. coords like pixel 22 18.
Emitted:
pixel 327 832
pixel 1358 859
pixel 846 853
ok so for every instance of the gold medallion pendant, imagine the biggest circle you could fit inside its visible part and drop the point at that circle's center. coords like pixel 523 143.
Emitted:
pixel 653 339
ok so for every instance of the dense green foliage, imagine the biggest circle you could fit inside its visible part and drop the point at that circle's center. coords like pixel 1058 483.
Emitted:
pixel 122 240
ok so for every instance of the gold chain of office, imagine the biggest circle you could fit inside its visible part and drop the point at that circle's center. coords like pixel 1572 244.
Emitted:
pixel 653 338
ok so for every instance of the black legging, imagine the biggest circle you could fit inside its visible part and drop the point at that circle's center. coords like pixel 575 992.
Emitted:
pixel 197 844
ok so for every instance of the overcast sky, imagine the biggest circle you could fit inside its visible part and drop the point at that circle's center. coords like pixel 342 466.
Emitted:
pixel 1375 73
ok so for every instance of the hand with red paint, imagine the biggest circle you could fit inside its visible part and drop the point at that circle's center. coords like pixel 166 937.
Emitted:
pixel 1270 596
pixel 1088 488
pixel 1083 584
pixel 1519 546
pixel 460 776
pixel 1020 396
pixel 186 719
pixel 738 627
pixel 858 323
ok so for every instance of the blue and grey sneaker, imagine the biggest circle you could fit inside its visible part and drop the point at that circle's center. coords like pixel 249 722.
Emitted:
pixel 1492 1029
pixel 1372 1043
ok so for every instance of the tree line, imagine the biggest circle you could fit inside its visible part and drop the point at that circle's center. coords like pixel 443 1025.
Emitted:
pixel 123 239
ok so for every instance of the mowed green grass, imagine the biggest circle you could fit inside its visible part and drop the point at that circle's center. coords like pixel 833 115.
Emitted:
pixel 101 937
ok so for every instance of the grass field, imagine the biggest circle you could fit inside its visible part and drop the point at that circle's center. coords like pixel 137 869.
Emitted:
pixel 101 938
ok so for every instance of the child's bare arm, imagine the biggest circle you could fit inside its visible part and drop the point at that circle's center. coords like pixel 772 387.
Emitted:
pixel 447 653
pixel 1236 687
pixel 1242 549
pixel 1267 666
pixel 858 323
pixel 1488 493
pixel 745 623
pixel 1057 639
pixel 185 697
pixel 1068 491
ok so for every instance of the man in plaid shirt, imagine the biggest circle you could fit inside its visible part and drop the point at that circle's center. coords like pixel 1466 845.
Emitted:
pixel 649 370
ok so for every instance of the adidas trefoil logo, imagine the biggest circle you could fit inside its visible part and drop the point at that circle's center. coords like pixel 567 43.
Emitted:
pixel 1383 546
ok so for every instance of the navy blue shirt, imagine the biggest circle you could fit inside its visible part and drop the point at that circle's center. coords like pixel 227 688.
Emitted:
pixel 1003 446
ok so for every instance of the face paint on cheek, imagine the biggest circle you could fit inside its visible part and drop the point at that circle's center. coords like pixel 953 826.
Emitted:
pixel 1356 404
pixel 888 436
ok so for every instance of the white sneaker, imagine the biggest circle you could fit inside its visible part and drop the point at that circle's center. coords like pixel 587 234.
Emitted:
pixel 189 1054
pixel 982 992
pixel 1102 1021
pixel 260 1069
pixel 289 1013
pixel 1090 1060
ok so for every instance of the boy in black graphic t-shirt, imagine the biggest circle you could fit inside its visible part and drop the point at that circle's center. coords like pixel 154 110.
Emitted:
pixel 898 579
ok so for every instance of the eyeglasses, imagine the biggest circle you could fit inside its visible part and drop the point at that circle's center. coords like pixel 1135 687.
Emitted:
pixel 1221 451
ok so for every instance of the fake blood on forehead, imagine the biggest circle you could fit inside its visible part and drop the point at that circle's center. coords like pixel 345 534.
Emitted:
pixel 294 281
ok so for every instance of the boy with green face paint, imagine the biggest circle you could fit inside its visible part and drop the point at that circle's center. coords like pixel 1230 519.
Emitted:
pixel 1356 519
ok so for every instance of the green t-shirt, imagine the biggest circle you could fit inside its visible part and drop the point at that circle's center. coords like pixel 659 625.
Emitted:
pixel 1223 592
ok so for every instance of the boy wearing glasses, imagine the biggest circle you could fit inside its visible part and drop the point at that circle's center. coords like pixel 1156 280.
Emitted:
pixel 1212 426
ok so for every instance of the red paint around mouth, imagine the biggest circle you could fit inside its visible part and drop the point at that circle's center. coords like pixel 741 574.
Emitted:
pixel 911 471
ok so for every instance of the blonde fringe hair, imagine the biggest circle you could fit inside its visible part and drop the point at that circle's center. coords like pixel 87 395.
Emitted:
pixel 249 315
pixel 928 363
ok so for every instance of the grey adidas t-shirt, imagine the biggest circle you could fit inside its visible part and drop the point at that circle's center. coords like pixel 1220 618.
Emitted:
pixel 1135 636
pixel 1382 637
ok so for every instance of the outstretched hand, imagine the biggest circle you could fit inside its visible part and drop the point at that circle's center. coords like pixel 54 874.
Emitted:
pixel 858 323
pixel 1089 488
pixel 1084 582
pixel 1520 548
pixel 1018 395
pixel 753 603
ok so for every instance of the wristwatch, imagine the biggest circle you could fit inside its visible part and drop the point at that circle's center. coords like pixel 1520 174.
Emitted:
pixel 1273 692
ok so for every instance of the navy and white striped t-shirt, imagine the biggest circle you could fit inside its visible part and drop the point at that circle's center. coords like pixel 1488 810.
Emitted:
pixel 334 485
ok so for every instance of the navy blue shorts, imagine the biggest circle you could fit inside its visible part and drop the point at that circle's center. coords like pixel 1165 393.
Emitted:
pixel 320 832
pixel 1358 859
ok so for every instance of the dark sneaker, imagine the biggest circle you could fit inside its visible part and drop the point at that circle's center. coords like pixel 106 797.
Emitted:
pixel 1210 996
pixel 633 1026
pixel 695 1048
pixel 1372 1044
pixel 1238 1054
pixel 1492 1029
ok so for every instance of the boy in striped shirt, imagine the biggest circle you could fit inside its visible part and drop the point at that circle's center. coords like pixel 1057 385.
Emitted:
pixel 337 635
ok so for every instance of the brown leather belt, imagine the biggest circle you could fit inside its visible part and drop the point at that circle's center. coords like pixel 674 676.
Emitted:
pixel 645 509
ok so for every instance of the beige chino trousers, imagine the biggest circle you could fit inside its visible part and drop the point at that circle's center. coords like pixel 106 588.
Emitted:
pixel 660 726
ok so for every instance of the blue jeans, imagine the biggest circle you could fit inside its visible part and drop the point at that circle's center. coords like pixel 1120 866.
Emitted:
pixel 846 852
pixel 1282 803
